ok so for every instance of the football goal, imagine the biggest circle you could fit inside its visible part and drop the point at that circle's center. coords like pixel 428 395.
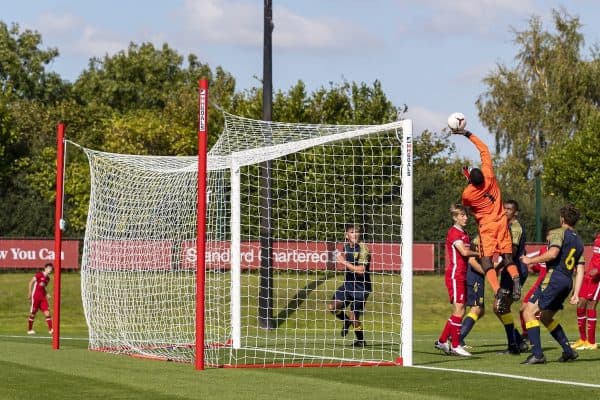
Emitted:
pixel 269 274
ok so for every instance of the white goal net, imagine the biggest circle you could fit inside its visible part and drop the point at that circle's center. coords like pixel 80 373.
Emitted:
pixel 278 200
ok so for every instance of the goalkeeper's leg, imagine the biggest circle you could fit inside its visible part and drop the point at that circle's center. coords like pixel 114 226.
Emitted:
pixel 336 307
pixel 500 295
pixel 357 309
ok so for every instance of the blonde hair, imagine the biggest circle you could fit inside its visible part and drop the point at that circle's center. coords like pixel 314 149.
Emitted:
pixel 457 209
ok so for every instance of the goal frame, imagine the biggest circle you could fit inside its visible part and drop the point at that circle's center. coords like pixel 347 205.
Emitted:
pixel 406 271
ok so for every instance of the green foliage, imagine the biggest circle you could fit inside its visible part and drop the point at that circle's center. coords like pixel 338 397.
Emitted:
pixel 573 171
pixel 438 183
pixel 544 99
pixel 541 106
pixel 22 71
pixel 140 77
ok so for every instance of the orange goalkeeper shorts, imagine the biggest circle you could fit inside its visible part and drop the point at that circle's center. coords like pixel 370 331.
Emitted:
pixel 495 237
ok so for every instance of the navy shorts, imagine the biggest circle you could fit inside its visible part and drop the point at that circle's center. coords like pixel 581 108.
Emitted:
pixel 554 295
pixel 352 294
pixel 475 289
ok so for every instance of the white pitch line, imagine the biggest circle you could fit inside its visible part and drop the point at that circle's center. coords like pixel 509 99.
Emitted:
pixel 42 337
pixel 524 378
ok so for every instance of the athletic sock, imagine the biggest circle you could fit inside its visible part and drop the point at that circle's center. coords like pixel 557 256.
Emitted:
pixel 509 328
pixel 446 331
pixel 492 278
pixel 512 271
pixel 456 323
pixel 359 332
pixel 533 329
pixel 559 335
pixel 49 322
pixel 591 325
pixel 581 323
pixel 467 325
pixel 518 337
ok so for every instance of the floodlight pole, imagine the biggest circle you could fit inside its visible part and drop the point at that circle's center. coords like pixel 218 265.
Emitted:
pixel 265 300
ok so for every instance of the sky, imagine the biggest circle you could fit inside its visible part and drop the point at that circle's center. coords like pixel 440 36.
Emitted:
pixel 431 55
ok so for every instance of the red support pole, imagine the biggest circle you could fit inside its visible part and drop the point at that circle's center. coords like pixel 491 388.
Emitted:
pixel 201 219
pixel 58 224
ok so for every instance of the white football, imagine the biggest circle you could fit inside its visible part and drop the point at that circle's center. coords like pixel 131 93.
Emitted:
pixel 457 122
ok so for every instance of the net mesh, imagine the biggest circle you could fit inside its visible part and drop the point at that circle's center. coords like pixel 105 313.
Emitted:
pixel 139 258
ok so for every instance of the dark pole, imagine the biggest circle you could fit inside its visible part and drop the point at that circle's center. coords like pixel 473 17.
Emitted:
pixel 265 300
pixel 538 206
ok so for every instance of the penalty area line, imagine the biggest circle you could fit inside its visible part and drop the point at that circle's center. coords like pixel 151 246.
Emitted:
pixel 523 378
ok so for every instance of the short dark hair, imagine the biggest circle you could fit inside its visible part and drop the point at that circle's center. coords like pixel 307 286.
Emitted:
pixel 514 203
pixel 49 265
pixel 355 227
pixel 476 177
pixel 570 214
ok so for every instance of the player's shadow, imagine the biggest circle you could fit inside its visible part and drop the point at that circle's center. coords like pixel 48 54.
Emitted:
pixel 300 298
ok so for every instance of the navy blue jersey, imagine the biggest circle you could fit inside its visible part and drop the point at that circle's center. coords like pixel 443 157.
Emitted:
pixel 519 237
pixel 358 254
pixel 570 254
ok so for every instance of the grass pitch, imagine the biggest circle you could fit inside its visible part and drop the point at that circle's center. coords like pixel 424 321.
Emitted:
pixel 30 369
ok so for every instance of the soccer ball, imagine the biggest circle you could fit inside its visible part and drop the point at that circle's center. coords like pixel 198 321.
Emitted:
pixel 457 122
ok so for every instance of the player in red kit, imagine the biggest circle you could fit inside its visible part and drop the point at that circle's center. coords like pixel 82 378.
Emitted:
pixel 37 296
pixel 457 254
pixel 588 301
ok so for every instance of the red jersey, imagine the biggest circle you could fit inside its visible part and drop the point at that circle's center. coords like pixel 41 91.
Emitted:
pixel 485 202
pixel 595 261
pixel 39 287
pixel 456 264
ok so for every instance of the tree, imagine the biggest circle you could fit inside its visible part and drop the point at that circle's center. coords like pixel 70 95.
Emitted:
pixel 140 78
pixel 438 183
pixel 28 94
pixel 573 171
pixel 22 68
pixel 541 102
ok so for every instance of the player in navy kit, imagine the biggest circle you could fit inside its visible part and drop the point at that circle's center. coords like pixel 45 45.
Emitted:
pixel 564 256
pixel 518 237
pixel 475 294
pixel 356 288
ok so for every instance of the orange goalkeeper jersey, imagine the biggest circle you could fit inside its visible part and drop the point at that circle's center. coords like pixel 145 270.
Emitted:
pixel 485 202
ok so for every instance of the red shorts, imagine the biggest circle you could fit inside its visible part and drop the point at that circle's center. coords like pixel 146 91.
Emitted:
pixel 494 236
pixel 39 303
pixel 590 290
pixel 457 289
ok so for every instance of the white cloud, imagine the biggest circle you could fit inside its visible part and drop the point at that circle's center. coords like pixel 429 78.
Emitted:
pixel 460 17
pixel 78 37
pixel 474 74
pixel 52 23
pixel 94 42
pixel 241 24
pixel 424 118
pixel 226 22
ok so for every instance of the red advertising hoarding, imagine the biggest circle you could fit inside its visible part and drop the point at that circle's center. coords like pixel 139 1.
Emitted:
pixel 33 254
pixel 161 255
pixel 307 256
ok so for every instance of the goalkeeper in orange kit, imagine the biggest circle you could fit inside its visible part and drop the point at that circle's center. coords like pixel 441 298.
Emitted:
pixel 483 198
